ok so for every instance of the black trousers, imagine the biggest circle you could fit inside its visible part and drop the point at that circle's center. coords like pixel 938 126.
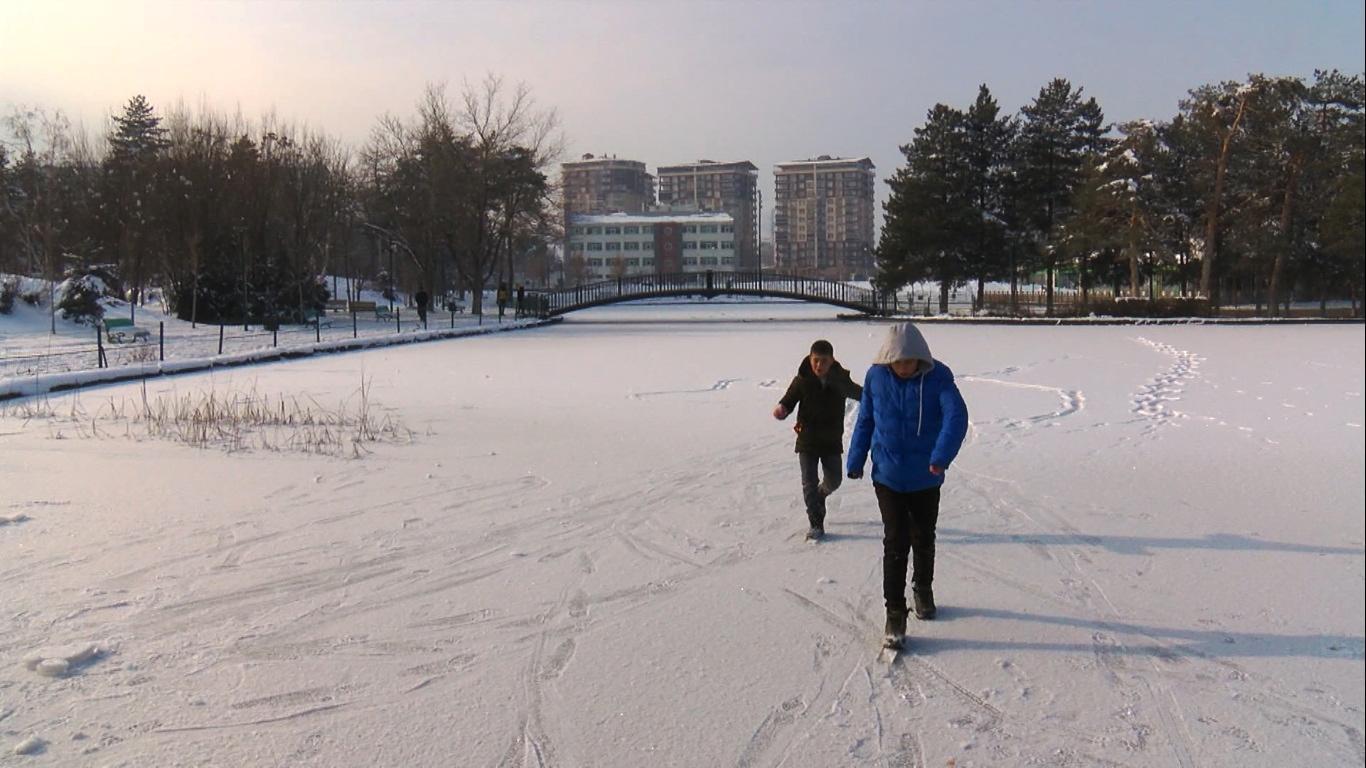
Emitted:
pixel 814 489
pixel 908 521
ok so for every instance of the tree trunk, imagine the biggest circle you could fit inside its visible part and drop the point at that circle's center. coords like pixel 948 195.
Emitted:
pixel 1048 290
pixel 1208 286
pixel 1135 284
pixel 1085 287
pixel 1283 248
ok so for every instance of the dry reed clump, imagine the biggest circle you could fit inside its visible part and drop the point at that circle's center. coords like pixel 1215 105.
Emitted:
pixel 232 421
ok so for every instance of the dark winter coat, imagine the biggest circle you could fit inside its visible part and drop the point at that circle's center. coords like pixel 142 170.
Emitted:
pixel 820 407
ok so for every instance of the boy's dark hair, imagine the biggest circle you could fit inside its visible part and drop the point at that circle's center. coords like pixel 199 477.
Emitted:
pixel 822 347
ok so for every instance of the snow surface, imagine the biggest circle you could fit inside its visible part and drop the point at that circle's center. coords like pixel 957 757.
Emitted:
pixel 589 553
pixel 28 348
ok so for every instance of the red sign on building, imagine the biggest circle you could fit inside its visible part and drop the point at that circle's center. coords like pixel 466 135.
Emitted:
pixel 668 248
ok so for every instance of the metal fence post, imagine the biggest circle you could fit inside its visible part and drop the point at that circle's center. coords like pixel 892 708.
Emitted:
pixel 353 324
pixel 99 346
pixel 220 338
pixel 161 340
pixel 318 328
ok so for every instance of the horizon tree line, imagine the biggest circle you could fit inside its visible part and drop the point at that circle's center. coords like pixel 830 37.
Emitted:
pixel 237 220
pixel 1251 191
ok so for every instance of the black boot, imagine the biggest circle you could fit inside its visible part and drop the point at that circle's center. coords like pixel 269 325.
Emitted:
pixel 924 603
pixel 895 632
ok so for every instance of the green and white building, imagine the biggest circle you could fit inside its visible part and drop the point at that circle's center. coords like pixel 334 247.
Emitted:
pixel 602 246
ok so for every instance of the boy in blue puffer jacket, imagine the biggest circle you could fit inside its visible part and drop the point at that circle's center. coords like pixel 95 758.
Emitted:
pixel 914 420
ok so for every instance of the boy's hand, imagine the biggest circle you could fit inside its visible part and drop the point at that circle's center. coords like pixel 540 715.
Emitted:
pixel 936 470
pixel 780 412
pixel 855 474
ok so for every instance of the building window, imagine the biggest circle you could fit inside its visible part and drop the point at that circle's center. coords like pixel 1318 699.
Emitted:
pixel 648 262
pixel 595 262
pixel 633 262
pixel 647 246
pixel 708 245
pixel 708 229
pixel 612 231
pixel 630 230
pixel 689 261
pixel 647 229
pixel 595 230
pixel 727 227
pixel 689 245
pixel 576 246
pixel 708 261
pixel 595 246
pixel 728 260
pixel 727 245
pixel 614 246
pixel 690 229
pixel 578 230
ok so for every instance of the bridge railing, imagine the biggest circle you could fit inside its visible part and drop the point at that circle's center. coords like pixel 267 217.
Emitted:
pixel 706 283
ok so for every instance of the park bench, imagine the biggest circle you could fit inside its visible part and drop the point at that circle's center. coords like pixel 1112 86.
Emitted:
pixel 120 330
pixel 315 317
pixel 361 306
pixel 336 305
pixel 383 312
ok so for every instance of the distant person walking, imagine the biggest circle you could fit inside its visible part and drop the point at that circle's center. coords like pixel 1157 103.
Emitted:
pixel 502 297
pixel 817 393
pixel 422 300
pixel 914 420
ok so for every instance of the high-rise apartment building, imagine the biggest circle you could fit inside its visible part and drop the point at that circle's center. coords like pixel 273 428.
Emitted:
pixel 823 217
pixel 709 186
pixel 599 185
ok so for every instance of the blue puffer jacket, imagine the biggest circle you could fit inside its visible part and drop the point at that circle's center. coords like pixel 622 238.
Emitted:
pixel 909 424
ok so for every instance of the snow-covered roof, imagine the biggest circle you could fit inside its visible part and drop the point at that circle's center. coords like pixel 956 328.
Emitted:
pixel 824 160
pixel 707 166
pixel 650 218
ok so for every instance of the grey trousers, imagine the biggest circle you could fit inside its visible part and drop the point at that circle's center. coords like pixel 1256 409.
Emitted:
pixel 815 489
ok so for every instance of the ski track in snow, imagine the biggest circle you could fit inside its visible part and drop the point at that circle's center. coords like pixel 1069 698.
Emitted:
pixel 1070 401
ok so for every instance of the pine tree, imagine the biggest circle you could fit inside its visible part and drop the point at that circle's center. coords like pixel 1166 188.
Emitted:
pixel 1116 209
pixel 1058 132
pixel 987 143
pixel 1178 196
pixel 928 225
pixel 131 170
pixel 1215 113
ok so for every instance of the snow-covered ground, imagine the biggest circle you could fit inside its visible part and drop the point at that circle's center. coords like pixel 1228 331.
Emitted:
pixel 583 547
pixel 28 346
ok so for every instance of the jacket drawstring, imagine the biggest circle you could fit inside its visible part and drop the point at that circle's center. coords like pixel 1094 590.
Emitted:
pixel 920 413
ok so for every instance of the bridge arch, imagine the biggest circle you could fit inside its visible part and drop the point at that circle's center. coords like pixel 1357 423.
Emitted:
pixel 552 303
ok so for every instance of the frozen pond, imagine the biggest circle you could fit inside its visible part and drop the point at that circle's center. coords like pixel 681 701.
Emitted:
pixel 581 545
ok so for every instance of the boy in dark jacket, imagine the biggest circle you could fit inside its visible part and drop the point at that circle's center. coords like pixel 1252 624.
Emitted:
pixel 817 393
pixel 913 421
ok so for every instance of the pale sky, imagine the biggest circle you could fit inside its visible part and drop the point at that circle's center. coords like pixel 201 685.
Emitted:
pixel 661 82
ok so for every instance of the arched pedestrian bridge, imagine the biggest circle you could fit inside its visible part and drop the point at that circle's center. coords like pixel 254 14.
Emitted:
pixel 708 284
